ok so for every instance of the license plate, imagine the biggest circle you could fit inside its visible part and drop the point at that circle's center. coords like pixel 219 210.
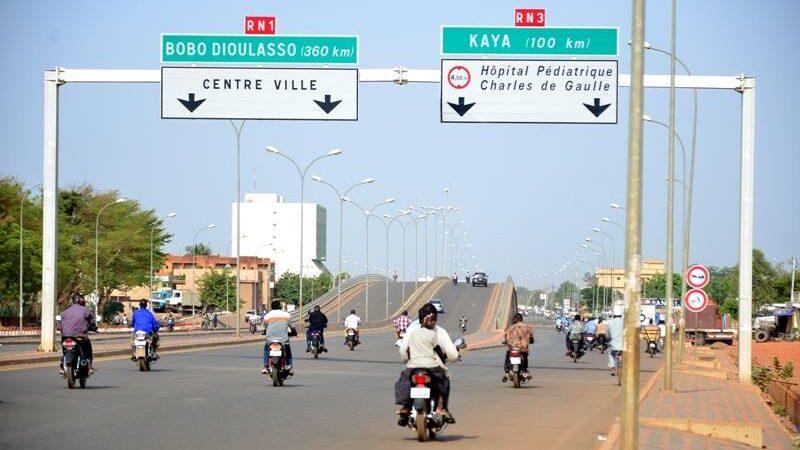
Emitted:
pixel 275 353
pixel 422 392
pixel 351 333
pixel 590 339
pixel 515 360
pixel 652 345
pixel 140 343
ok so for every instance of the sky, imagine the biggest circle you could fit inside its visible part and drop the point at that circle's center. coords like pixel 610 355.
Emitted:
pixel 528 194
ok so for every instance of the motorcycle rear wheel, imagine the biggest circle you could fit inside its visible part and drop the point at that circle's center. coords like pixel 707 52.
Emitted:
pixel 70 377
pixel 82 382
pixel 315 352
pixel 351 345
pixel 421 421
pixel 276 377
pixel 515 379
pixel 142 364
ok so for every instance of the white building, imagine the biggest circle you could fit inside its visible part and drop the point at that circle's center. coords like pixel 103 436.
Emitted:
pixel 272 230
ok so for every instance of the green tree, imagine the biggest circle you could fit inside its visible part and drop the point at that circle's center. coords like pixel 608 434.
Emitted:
pixel 218 290
pixel 12 195
pixel 656 286
pixel 288 287
pixel 199 249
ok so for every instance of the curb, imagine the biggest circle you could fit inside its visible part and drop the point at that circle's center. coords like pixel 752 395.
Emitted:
pixel 613 433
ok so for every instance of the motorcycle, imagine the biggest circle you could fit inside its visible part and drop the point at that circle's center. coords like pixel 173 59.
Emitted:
pixel 515 374
pixel 253 328
pixel 601 342
pixel 576 352
pixel 276 368
pixel 76 366
pixel 144 354
pixel 350 339
pixel 590 340
pixel 424 418
pixel 652 347
pixel 463 327
pixel 171 325
pixel 315 343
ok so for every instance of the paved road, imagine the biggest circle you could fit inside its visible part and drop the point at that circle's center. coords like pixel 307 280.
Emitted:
pixel 462 300
pixel 377 301
pixel 217 398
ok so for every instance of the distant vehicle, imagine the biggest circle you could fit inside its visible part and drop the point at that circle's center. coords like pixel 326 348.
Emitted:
pixel 166 297
pixel 438 304
pixel 479 279
pixel 707 326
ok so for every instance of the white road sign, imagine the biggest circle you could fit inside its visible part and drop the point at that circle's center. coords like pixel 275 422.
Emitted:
pixel 695 300
pixel 697 276
pixel 529 91
pixel 259 93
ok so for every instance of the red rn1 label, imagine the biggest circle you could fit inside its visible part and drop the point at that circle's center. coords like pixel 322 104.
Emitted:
pixel 259 25
pixel 524 17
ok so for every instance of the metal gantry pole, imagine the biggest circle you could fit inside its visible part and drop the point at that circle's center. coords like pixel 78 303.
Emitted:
pixel 670 210
pixel 52 80
pixel 629 423
pixel 748 91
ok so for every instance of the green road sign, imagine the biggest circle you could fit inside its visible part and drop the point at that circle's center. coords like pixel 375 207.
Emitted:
pixel 468 40
pixel 258 49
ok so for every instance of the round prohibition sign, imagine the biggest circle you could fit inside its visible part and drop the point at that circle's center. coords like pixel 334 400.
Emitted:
pixel 695 300
pixel 697 276
pixel 458 77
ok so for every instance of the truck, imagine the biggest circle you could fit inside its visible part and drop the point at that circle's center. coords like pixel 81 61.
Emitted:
pixel 709 326
pixel 774 324
pixel 166 297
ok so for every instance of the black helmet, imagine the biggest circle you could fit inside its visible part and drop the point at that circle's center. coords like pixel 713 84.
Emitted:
pixel 77 298
pixel 275 304
pixel 352 311
pixel 143 304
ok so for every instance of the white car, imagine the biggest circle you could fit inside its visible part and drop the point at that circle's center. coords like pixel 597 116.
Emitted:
pixel 438 304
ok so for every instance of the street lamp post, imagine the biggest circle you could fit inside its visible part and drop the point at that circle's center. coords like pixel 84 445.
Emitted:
pixel 152 230
pixel 96 250
pixel 445 212
pixel 367 213
pixel 341 214
pixel 302 174
pixel 194 251
pixel 388 224
pixel 23 196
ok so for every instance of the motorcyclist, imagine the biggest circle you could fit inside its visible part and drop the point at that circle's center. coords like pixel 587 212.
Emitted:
pixel 401 324
pixel 462 323
pixel 253 322
pixel 423 347
pixel 352 321
pixel 575 329
pixel 144 320
pixel 518 335
pixel 76 322
pixel 602 333
pixel 455 278
pixel 278 324
pixel 317 321
pixel 614 338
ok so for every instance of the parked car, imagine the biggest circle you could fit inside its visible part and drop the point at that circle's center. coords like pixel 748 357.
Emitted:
pixel 479 279
pixel 438 304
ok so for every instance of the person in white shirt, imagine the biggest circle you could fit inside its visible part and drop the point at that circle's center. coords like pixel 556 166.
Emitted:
pixel 425 346
pixel 352 321
pixel 615 327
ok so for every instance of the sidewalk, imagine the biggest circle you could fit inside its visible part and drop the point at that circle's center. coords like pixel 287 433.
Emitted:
pixel 708 392
pixel 122 347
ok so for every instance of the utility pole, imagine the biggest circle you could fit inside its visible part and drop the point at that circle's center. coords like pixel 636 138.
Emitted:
pixel 629 423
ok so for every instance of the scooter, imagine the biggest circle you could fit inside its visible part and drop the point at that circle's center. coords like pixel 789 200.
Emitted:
pixel 577 343
pixel 515 374
pixel 350 339
pixel 253 328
